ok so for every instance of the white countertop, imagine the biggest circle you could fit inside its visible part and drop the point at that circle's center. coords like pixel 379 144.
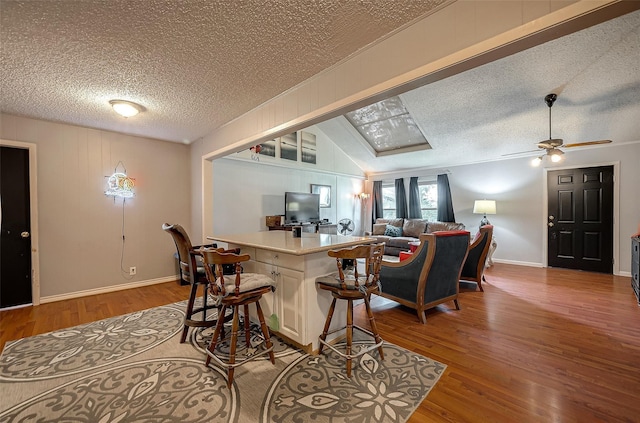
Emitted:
pixel 284 242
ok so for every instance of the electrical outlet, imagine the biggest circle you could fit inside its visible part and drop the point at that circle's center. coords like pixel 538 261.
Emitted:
pixel 132 270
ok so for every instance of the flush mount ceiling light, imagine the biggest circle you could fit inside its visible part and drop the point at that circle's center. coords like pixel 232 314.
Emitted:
pixel 126 108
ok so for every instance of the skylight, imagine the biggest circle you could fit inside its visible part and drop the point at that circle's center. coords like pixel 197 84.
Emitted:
pixel 388 127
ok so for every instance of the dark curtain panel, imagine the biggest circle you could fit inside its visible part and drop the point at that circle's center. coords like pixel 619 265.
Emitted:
pixel 445 203
pixel 414 199
pixel 377 200
pixel 401 199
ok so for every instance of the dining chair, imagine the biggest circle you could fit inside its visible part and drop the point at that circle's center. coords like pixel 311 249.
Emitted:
pixel 232 292
pixel 350 284
pixel 192 273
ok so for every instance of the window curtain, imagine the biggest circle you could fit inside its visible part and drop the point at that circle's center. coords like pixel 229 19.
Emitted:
pixel 401 199
pixel 377 200
pixel 414 199
pixel 445 202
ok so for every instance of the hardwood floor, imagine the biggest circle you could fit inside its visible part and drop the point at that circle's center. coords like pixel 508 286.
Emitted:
pixel 539 345
pixel 28 321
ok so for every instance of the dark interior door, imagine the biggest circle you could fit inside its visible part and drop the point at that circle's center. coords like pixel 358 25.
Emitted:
pixel 580 219
pixel 15 228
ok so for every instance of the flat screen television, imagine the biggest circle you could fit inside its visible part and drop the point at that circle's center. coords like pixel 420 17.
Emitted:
pixel 301 207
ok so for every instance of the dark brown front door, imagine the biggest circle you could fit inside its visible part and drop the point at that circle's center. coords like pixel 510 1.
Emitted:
pixel 580 219
pixel 15 228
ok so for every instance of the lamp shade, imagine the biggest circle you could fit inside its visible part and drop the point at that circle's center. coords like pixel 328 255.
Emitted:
pixel 484 207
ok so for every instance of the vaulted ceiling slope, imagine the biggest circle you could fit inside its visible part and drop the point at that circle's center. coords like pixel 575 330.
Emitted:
pixel 194 65
pixel 498 109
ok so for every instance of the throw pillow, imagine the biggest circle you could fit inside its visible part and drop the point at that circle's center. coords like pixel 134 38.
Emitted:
pixel 396 222
pixel 379 228
pixel 393 231
pixel 414 227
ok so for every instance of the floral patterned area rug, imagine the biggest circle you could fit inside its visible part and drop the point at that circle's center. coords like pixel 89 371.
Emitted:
pixel 132 368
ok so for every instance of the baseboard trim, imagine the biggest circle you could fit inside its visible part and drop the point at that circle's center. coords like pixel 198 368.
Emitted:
pixel 530 264
pixel 106 289
pixel 518 263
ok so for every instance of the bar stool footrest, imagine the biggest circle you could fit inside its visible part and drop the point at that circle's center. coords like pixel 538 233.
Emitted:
pixel 362 352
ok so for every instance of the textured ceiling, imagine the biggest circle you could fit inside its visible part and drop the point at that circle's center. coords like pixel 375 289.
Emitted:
pixel 498 108
pixel 194 65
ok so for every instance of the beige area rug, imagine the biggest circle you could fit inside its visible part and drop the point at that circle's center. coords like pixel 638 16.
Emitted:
pixel 132 368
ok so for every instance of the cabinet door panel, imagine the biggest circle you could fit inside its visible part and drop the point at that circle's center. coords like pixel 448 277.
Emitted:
pixel 290 294
pixel 268 299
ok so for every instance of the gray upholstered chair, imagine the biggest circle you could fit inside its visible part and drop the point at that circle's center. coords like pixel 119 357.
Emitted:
pixel 474 265
pixel 430 276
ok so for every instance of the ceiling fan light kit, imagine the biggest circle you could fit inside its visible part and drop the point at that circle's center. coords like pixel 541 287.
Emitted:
pixel 552 145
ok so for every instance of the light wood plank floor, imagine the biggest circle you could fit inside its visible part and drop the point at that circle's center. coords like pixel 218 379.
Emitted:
pixel 539 345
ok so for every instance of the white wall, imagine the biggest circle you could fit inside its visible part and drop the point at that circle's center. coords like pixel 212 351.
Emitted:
pixel 454 38
pixel 80 229
pixel 245 191
pixel 518 188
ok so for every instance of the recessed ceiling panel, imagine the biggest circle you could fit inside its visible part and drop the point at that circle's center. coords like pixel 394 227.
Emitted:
pixel 388 127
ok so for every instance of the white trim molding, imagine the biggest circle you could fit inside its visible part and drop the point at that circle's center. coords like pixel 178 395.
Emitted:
pixel 33 212
pixel 616 210
pixel 107 289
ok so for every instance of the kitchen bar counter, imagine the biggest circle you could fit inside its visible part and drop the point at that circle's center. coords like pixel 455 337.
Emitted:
pixel 294 264
pixel 284 242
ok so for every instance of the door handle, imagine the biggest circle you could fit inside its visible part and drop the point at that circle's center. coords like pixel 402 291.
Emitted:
pixel 550 224
pixel 25 234
pixel 551 217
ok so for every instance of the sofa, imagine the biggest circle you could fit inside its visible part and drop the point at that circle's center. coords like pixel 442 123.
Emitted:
pixel 398 233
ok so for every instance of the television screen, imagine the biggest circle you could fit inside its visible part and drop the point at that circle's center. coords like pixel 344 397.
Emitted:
pixel 301 207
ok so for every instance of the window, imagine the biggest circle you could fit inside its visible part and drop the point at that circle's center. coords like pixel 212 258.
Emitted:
pixel 389 202
pixel 428 201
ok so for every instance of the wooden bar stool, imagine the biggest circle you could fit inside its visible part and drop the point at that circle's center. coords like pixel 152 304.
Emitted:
pixel 193 274
pixel 232 292
pixel 348 284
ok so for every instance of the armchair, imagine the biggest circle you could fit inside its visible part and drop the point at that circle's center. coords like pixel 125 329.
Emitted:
pixel 430 276
pixel 473 268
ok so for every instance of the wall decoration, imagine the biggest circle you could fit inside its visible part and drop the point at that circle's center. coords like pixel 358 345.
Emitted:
pixel 325 194
pixel 119 184
pixel 289 146
pixel 255 152
pixel 308 147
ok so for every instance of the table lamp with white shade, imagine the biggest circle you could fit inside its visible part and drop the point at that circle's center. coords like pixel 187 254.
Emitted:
pixel 484 207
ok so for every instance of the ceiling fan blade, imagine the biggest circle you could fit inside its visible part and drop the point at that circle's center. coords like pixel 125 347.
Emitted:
pixel 580 144
pixel 521 153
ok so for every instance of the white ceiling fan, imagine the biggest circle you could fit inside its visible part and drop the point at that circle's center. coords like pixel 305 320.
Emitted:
pixel 552 145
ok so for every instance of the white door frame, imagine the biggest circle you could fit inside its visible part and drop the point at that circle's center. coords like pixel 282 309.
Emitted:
pixel 33 212
pixel 616 211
